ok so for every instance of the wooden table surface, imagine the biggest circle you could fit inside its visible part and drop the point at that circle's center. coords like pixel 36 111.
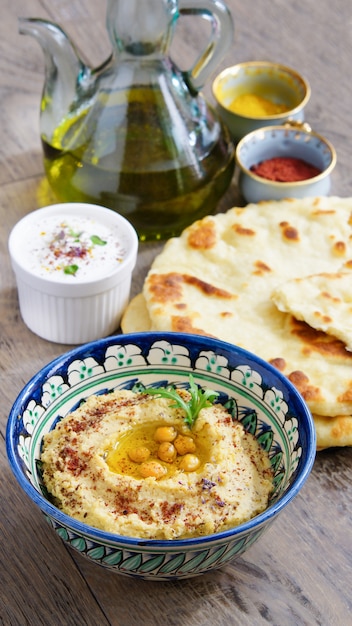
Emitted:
pixel 300 572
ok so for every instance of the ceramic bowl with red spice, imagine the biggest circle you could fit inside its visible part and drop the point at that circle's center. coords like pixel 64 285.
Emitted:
pixel 254 94
pixel 73 264
pixel 288 161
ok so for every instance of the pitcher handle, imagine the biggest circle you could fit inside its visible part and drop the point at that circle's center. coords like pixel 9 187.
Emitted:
pixel 221 38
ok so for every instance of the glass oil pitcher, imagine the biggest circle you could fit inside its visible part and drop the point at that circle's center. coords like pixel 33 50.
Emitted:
pixel 136 134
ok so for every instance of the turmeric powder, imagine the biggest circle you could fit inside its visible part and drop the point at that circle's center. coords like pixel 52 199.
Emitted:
pixel 254 105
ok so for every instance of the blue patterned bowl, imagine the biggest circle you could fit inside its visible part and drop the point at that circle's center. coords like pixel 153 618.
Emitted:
pixel 266 402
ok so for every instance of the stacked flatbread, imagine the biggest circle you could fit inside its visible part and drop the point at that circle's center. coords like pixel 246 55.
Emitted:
pixel 276 279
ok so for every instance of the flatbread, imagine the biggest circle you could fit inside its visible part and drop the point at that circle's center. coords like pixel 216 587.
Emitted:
pixel 335 431
pixel 136 317
pixel 324 301
pixel 218 277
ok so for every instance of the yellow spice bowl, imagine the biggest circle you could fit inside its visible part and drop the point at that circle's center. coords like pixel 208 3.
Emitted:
pixel 254 94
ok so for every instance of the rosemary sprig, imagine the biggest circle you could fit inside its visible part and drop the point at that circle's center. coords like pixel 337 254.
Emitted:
pixel 200 398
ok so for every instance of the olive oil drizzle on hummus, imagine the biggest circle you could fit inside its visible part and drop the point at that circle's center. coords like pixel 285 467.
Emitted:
pixel 140 438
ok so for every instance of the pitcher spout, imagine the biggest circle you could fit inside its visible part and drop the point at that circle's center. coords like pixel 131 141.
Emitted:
pixel 65 71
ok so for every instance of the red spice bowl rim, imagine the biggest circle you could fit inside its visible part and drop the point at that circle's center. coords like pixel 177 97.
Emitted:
pixel 253 138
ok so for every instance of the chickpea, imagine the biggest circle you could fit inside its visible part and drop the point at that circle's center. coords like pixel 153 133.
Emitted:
pixel 139 455
pixel 184 444
pixel 165 433
pixel 189 463
pixel 152 468
pixel 167 452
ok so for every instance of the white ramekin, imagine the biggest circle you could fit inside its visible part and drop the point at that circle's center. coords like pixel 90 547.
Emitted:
pixel 73 309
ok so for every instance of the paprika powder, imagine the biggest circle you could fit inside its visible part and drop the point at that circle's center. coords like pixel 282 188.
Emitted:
pixel 285 169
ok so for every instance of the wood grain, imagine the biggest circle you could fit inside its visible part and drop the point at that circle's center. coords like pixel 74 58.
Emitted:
pixel 300 572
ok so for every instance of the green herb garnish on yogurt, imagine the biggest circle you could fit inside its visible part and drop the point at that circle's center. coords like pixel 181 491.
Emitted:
pixel 75 236
pixel 71 269
pixel 95 239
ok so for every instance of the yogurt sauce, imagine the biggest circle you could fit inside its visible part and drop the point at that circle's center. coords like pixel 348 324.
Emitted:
pixel 74 248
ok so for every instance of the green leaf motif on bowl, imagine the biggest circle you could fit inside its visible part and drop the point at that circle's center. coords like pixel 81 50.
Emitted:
pixel 31 415
pixel 123 356
pixel 61 532
pixel 276 461
pixel 96 553
pixel 248 378
pixel 113 559
pixel 278 480
pixel 173 564
pixel 194 563
pixel 152 564
pixel 79 544
pixel 236 548
pixel 214 363
pixel 275 400
pixel 132 563
pixel 266 440
pixel 82 370
pixel 167 354
pixel 214 557
pixel 249 420
pixel 23 449
pixel 53 388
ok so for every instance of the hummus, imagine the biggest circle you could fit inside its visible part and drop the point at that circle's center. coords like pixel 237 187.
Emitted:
pixel 127 463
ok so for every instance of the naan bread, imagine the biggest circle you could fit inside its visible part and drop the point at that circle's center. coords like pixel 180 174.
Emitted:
pixel 217 279
pixel 136 317
pixel 324 301
pixel 335 431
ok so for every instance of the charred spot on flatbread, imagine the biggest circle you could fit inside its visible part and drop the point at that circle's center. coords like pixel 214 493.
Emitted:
pixel 184 324
pixel 328 296
pixel 202 234
pixel 261 268
pixel 339 248
pixel 301 381
pixel 168 287
pixel 289 232
pixel 315 341
pixel 346 396
pixel 241 230
pixel 279 363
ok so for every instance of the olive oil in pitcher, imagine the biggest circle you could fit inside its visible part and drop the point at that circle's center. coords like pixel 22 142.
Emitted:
pixel 149 178
pixel 136 134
